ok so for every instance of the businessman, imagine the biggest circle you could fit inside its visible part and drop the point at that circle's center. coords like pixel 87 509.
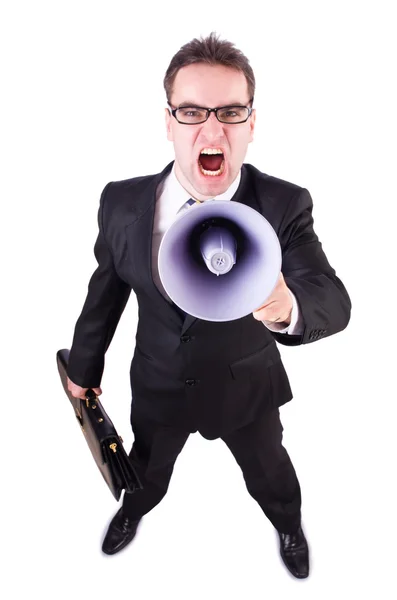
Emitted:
pixel 223 379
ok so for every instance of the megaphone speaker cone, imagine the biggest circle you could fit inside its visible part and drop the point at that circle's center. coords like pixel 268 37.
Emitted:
pixel 188 262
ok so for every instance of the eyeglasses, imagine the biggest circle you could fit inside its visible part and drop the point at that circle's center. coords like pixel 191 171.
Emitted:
pixel 193 115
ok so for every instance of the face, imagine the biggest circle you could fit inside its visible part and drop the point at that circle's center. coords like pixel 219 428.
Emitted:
pixel 209 87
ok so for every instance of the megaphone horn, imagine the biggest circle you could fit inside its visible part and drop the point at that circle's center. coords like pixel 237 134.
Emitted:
pixel 219 260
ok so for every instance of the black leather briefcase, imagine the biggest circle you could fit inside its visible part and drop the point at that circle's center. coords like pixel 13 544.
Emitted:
pixel 101 436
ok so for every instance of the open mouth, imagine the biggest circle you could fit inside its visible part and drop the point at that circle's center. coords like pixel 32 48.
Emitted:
pixel 211 162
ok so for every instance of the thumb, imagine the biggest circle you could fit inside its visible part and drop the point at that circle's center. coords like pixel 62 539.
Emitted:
pixel 98 391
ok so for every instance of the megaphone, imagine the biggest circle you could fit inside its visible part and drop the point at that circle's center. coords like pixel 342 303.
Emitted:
pixel 219 261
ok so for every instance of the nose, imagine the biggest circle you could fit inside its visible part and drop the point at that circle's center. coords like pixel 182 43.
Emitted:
pixel 212 127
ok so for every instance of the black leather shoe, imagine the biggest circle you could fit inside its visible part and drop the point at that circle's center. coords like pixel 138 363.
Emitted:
pixel 121 532
pixel 295 553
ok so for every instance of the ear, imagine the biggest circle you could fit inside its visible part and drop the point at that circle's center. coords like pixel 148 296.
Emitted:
pixel 168 121
pixel 252 125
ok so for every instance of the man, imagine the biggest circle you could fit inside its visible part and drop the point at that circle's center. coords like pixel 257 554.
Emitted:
pixel 223 379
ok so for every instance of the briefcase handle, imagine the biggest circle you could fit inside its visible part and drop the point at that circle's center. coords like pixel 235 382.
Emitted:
pixel 90 395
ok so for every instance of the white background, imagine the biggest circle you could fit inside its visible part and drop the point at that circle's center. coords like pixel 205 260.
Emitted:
pixel 82 104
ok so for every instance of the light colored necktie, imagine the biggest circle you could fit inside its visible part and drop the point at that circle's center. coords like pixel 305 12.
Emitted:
pixel 188 204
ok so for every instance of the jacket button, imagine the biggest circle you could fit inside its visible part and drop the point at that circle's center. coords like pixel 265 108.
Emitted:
pixel 190 382
pixel 185 338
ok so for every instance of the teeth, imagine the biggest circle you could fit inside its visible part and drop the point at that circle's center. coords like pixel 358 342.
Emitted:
pixel 213 173
pixel 211 151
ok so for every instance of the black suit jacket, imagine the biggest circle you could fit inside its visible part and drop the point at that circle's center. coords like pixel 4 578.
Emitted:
pixel 200 375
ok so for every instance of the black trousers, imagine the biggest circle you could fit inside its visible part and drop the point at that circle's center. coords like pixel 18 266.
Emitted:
pixel 257 447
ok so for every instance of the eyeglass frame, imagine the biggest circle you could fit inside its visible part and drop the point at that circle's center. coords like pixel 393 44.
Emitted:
pixel 214 110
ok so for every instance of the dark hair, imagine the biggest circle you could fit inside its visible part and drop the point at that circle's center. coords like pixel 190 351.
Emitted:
pixel 213 51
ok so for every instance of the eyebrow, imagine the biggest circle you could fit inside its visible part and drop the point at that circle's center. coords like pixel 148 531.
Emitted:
pixel 194 105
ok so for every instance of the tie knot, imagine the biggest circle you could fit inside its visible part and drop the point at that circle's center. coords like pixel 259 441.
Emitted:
pixel 188 204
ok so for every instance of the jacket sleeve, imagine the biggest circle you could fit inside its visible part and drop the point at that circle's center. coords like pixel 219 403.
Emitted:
pixel 106 299
pixel 323 300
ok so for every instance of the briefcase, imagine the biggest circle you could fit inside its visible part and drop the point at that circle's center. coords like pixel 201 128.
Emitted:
pixel 101 436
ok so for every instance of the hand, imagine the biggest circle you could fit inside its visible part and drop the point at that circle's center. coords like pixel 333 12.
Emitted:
pixel 278 306
pixel 79 392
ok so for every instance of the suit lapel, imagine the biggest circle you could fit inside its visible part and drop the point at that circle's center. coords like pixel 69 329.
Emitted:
pixel 188 322
pixel 139 235
pixel 245 194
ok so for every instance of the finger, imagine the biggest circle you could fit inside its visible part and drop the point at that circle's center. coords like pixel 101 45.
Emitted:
pixel 271 316
pixel 267 306
pixel 269 313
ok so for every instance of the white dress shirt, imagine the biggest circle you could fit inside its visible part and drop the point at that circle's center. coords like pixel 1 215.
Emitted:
pixel 170 197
